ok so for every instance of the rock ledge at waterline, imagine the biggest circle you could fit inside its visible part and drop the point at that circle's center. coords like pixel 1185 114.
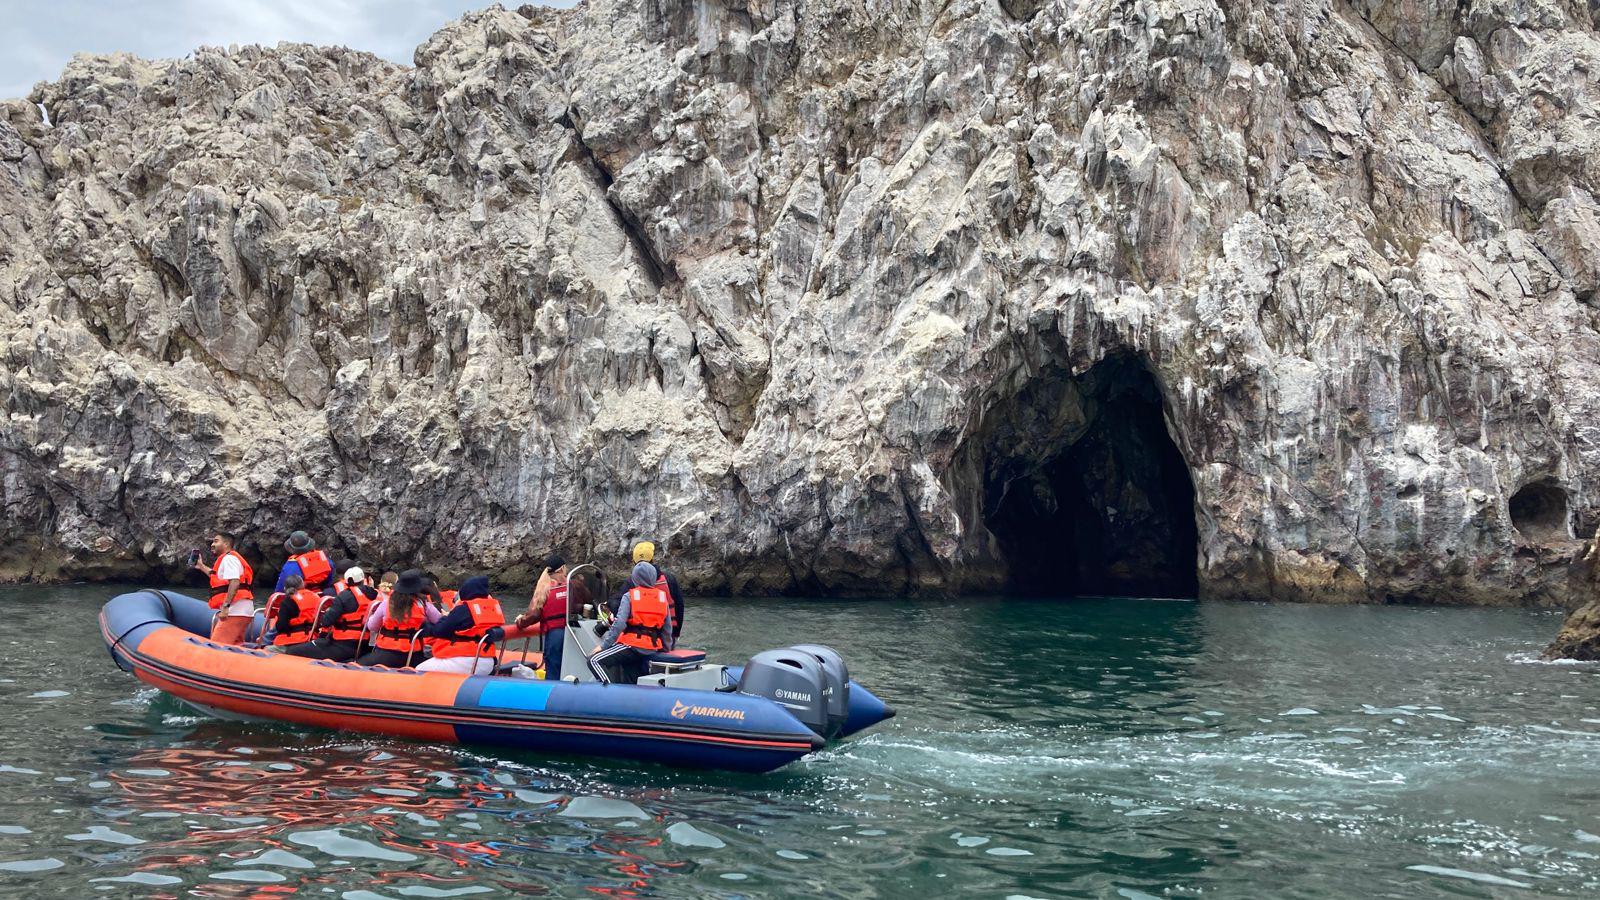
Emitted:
pixel 820 296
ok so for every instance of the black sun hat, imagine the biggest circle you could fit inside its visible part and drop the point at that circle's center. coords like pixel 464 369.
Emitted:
pixel 410 583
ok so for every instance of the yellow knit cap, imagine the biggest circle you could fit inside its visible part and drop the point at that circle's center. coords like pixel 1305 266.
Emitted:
pixel 644 551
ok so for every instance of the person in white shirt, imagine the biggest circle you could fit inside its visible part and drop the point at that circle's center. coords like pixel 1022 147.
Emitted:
pixel 230 591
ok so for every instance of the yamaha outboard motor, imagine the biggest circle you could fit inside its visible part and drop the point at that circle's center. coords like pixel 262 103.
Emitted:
pixel 838 689
pixel 794 681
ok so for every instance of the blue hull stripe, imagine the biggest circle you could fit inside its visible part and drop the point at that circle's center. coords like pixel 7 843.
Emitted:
pixel 528 695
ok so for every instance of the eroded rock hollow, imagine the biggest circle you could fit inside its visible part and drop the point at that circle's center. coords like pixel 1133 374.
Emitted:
pixel 1289 300
pixel 1078 489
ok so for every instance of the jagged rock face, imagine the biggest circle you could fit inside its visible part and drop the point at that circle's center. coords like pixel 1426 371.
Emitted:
pixel 1579 637
pixel 820 297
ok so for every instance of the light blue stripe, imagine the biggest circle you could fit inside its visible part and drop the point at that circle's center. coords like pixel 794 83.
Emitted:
pixel 516 695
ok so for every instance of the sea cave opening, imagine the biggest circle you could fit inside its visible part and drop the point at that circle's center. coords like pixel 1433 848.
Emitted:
pixel 1084 491
pixel 1539 511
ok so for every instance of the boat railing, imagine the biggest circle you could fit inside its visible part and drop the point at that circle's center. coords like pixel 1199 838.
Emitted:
pixel 316 621
pixel 412 648
pixel 499 655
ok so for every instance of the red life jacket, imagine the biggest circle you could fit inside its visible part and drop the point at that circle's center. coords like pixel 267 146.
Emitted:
pixel 647 619
pixel 348 626
pixel 298 631
pixel 555 605
pixel 396 636
pixel 450 599
pixel 315 567
pixel 486 614
pixel 219 588
pixel 661 584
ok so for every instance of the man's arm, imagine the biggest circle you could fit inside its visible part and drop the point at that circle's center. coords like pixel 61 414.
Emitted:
pixel 346 602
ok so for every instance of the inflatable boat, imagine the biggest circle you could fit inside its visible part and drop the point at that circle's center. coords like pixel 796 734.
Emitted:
pixel 777 708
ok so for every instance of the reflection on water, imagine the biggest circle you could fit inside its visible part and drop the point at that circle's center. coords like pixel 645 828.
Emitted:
pixel 1093 748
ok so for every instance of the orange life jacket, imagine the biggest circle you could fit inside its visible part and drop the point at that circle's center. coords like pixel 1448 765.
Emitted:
pixel 396 635
pixel 647 619
pixel 486 614
pixel 348 626
pixel 315 567
pixel 219 588
pixel 298 631
pixel 447 602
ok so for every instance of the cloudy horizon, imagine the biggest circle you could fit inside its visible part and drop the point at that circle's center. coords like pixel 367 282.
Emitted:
pixel 40 38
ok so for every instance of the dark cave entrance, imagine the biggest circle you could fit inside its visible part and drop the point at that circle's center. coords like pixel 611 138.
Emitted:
pixel 1539 512
pixel 1084 491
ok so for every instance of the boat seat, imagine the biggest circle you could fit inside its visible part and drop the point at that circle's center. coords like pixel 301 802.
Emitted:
pixel 676 660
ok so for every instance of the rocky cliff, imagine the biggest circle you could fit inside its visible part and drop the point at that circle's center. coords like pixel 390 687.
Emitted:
pixel 1276 298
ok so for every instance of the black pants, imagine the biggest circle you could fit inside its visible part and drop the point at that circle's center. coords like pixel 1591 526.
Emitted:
pixel 394 659
pixel 620 664
pixel 325 648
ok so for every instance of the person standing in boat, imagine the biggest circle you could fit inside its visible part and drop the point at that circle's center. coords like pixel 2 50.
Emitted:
pixel 311 564
pixel 641 629
pixel 230 590
pixel 553 597
pixel 342 620
pixel 645 551
pixel 464 638
pixel 393 621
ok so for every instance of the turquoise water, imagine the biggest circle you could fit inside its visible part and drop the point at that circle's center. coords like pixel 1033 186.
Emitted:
pixel 1088 748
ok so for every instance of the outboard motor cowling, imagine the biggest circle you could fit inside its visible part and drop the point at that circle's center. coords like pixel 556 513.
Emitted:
pixel 838 685
pixel 793 680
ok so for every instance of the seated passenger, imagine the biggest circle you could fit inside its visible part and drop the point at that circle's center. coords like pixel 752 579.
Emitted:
pixel 386 584
pixel 313 566
pixel 459 632
pixel 393 622
pixel 342 621
pixel 336 587
pixel 642 628
pixel 297 614
pixel 445 600
pixel 644 551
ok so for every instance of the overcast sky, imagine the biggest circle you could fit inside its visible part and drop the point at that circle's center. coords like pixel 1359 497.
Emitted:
pixel 37 38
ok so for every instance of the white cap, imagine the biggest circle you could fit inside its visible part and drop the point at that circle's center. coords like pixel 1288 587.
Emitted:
pixel 354 573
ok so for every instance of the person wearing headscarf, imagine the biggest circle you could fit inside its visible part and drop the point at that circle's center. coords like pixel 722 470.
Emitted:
pixel 641 629
pixel 464 638
pixel 645 551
